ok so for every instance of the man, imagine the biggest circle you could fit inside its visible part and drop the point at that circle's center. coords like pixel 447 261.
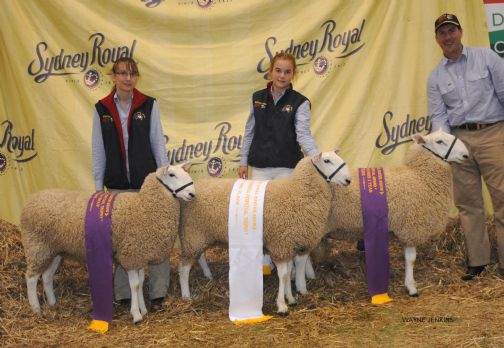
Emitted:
pixel 466 97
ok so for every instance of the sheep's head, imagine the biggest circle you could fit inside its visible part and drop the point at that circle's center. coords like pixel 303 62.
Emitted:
pixel 177 180
pixel 332 167
pixel 444 145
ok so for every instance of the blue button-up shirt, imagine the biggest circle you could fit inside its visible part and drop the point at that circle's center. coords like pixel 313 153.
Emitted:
pixel 468 90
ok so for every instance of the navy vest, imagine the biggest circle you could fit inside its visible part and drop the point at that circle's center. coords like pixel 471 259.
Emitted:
pixel 274 143
pixel 140 157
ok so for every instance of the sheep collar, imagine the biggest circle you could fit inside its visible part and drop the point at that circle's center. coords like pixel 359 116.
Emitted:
pixel 174 192
pixel 445 158
pixel 328 178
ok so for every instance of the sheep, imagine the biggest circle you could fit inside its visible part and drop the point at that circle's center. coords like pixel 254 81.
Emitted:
pixel 144 227
pixel 418 198
pixel 296 210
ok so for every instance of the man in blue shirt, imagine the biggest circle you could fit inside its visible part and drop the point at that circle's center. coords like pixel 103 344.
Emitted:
pixel 466 97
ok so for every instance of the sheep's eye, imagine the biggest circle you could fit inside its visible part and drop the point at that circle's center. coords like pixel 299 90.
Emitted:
pixel 439 142
pixel 171 175
pixel 327 161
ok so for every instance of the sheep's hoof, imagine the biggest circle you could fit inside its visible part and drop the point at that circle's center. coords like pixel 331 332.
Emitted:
pixel 414 295
pixel 137 322
pixel 283 314
pixel 293 304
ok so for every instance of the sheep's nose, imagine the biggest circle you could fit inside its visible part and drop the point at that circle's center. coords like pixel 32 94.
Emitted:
pixel 466 156
pixel 348 181
pixel 191 194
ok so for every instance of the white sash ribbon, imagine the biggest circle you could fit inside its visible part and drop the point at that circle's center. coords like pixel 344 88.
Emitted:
pixel 246 251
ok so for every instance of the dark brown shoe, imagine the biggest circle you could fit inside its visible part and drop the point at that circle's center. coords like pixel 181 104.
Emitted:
pixel 157 304
pixel 473 272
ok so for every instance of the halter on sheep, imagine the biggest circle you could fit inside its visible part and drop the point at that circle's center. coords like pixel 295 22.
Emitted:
pixel 47 215
pixel 418 193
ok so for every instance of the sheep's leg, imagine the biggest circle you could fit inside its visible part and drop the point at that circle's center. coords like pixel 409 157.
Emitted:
pixel 409 280
pixel 31 286
pixel 283 278
pixel 204 267
pixel 301 261
pixel 141 300
pixel 134 281
pixel 184 269
pixel 288 288
pixel 48 278
pixel 310 271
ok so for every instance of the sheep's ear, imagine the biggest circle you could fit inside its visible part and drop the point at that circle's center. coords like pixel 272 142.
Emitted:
pixel 161 171
pixel 418 138
pixel 337 150
pixel 186 166
pixel 318 156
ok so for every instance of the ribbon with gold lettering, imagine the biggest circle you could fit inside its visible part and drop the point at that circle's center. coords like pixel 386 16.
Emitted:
pixel 245 228
pixel 375 217
pixel 98 236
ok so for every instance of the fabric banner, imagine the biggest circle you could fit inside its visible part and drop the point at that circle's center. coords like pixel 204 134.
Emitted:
pixel 98 236
pixel 375 218
pixel 494 10
pixel 246 250
pixel 363 65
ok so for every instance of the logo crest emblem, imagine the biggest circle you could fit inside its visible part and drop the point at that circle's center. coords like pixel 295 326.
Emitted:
pixel 3 163
pixel 204 3
pixel 320 65
pixel 214 166
pixel 258 104
pixel 287 108
pixel 106 119
pixel 91 79
pixel 139 116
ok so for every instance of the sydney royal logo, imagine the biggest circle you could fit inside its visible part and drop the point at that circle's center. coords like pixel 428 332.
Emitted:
pixel 330 44
pixel 100 54
pixel 15 147
pixel 398 134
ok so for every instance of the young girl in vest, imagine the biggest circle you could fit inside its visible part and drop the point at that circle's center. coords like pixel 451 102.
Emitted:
pixel 277 129
pixel 127 144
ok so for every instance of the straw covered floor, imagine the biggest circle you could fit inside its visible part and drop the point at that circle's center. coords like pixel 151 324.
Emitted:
pixel 336 313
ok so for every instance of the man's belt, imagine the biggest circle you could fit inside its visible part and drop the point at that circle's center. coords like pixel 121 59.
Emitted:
pixel 475 126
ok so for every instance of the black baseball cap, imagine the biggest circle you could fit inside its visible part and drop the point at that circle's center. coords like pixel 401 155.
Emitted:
pixel 446 19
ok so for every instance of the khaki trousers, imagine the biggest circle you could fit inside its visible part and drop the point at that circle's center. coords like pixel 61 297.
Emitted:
pixel 159 281
pixel 486 148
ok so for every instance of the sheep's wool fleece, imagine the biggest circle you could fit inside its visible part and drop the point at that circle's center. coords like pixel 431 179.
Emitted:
pixel 295 213
pixel 144 226
pixel 418 200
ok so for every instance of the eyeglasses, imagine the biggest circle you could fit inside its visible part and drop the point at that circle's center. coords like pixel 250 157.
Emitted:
pixel 125 74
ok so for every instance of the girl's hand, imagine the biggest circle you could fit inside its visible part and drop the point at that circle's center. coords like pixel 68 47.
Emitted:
pixel 243 172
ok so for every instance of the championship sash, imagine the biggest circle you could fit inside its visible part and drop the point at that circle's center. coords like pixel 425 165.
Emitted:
pixel 245 229
pixel 98 238
pixel 375 217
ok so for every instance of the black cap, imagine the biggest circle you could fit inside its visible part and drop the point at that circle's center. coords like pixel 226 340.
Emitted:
pixel 446 19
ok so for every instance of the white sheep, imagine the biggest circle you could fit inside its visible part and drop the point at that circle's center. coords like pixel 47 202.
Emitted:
pixel 144 226
pixel 418 198
pixel 296 210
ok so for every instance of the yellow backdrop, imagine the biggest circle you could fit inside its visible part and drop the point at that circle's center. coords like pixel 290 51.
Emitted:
pixel 363 64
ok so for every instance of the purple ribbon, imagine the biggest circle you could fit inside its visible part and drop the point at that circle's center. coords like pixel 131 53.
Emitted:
pixel 98 236
pixel 375 217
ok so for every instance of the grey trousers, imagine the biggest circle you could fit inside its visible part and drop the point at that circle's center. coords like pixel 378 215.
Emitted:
pixel 159 281
pixel 486 148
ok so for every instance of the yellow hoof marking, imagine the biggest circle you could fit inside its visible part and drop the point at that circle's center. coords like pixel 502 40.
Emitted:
pixel 380 299
pixel 99 326
pixel 253 321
